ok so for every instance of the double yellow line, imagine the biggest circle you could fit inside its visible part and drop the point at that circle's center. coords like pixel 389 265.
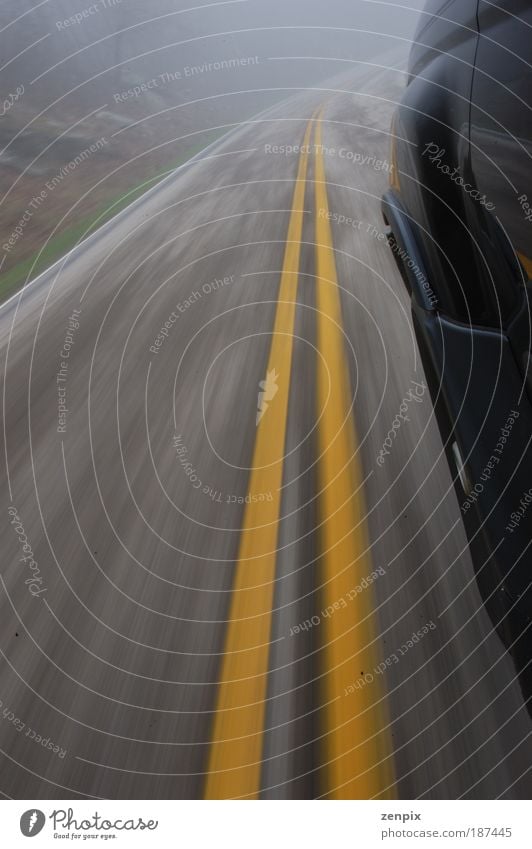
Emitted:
pixel 354 749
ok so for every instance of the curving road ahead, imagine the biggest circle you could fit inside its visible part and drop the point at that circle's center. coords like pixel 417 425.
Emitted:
pixel 219 579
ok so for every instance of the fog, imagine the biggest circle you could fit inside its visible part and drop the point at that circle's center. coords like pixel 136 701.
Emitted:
pixel 120 42
pixel 180 72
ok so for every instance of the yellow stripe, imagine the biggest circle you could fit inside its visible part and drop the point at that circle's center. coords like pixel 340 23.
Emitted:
pixel 394 173
pixel 237 742
pixel 526 262
pixel 351 752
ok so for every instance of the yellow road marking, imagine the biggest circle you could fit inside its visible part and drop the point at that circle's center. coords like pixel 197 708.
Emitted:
pixel 237 741
pixel 394 173
pixel 355 741
pixel 526 262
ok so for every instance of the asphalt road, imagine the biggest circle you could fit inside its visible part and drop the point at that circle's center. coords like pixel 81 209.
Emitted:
pixel 192 617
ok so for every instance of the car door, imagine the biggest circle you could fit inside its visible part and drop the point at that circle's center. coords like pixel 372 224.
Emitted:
pixel 501 158
pixel 501 163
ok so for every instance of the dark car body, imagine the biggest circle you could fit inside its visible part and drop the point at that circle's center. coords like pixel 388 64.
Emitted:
pixel 459 210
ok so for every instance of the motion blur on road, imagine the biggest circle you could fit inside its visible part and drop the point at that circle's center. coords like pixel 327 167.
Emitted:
pixel 234 561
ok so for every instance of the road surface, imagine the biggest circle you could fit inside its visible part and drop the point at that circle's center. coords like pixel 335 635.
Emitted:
pixel 234 564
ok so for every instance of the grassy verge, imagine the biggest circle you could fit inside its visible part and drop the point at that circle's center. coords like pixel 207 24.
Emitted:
pixel 68 238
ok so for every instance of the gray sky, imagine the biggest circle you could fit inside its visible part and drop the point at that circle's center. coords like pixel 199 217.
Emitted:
pixel 133 40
